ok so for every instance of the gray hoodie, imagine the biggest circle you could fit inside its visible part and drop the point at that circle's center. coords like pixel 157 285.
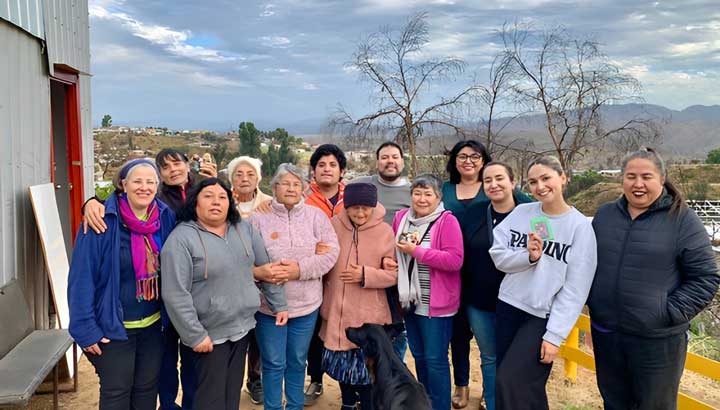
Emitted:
pixel 557 285
pixel 208 286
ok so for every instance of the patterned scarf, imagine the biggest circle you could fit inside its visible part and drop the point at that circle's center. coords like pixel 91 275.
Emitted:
pixel 408 277
pixel 145 252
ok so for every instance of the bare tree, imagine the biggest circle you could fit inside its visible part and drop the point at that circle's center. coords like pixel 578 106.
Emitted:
pixel 568 81
pixel 500 80
pixel 393 63
pixel 520 157
pixel 646 133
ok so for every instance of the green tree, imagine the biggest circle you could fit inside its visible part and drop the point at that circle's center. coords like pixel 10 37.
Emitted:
pixel 270 160
pixel 713 156
pixel 220 152
pixel 249 137
pixel 106 121
pixel 285 153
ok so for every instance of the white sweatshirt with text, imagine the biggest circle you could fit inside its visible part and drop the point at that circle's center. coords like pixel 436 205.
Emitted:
pixel 557 285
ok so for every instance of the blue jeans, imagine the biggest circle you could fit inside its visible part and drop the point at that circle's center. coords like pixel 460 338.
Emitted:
pixel 168 385
pixel 400 345
pixel 283 351
pixel 482 324
pixel 429 341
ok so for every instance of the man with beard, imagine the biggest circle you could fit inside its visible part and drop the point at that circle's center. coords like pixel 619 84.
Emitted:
pixel 394 194
pixel 393 189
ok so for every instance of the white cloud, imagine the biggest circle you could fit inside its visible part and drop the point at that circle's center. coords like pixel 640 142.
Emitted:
pixel 174 41
pixel 688 49
pixel 375 6
pixel 277 70
pixel 310 87
pixel 275 41
pixel 112 53
pixel 636 17
pixel 349 69
pixel 268 10
pixel 214 81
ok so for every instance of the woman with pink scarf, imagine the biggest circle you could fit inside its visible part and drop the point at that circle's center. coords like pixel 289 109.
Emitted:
pixel 113 290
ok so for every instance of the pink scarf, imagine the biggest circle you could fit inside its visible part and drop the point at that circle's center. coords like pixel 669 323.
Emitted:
pixel 145 252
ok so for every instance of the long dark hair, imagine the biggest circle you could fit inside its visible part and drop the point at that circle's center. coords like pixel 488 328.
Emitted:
pixel 188 211
pixel 451 166
pixel 678 203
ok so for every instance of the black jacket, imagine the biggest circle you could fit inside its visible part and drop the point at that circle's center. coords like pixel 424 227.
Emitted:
pixel 175 195
pixel 480 279
pixel 654 273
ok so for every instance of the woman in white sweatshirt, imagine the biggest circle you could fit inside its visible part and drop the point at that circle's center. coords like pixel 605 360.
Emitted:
pixel 547 250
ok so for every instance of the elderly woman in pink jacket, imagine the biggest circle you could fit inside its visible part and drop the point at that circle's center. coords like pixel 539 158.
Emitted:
pixel 430 254
pixel 292 232
pixel 355 290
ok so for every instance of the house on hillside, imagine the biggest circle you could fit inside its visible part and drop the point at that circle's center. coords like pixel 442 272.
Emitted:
pixel 610 172
pixel 46 132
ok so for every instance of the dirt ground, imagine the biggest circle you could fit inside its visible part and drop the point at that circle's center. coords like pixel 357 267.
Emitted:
pixel 582 395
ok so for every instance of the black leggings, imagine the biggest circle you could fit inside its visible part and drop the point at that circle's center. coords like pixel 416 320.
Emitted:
pixel 357 393
pixel 521 378
pixel 129 369
pixel 314 357
pixel 641 373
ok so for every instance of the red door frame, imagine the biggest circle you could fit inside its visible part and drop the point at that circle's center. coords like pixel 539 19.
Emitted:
pixel 74 145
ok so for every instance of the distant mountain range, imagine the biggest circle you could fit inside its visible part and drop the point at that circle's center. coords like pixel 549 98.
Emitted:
pixel 691 132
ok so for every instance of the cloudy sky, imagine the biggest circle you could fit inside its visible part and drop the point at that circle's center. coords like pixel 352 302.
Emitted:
pixel 283 63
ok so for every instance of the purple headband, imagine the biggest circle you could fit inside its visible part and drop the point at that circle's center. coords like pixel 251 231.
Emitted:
pixel 135 162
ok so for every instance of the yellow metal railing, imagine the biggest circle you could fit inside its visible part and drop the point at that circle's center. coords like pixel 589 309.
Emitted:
pixel 574 356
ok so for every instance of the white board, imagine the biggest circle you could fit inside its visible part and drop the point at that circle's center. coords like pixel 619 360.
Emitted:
pixel 53 244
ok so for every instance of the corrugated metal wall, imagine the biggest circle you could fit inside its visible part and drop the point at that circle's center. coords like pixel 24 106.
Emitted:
pixel 67 33
pixel 86 127
pixel 24 159
pixel 26 14
pixel 25 126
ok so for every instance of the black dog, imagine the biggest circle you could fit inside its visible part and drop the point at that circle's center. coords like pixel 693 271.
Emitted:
pixel 394 387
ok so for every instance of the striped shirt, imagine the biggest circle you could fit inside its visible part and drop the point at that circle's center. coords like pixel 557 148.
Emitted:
pixel 423 307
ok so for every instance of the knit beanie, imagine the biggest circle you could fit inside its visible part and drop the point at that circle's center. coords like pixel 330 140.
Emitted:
pixel 360 194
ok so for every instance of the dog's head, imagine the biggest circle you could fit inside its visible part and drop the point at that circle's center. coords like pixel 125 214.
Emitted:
pixel 368 337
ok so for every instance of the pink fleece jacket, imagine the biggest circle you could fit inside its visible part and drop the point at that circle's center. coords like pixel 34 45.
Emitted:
pixel 293 235
pixel 354 304
pixel 444 258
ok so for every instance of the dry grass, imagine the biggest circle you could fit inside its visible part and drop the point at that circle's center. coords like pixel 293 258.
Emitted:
pixel 581 395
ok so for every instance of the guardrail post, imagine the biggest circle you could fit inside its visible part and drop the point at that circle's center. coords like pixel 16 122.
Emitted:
pixel 571 366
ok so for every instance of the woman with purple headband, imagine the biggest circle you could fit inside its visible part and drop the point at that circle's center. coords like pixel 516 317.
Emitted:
pixel 113 290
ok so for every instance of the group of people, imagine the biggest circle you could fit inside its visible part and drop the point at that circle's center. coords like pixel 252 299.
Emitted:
pixel 184 262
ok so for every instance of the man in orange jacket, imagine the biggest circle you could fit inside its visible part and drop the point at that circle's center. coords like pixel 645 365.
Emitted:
pixel 326 191
pixel 327 165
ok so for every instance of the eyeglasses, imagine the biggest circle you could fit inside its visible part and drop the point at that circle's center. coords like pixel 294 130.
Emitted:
pixel 472 158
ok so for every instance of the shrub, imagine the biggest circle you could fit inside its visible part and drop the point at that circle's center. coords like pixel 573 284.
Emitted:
pixel 583 181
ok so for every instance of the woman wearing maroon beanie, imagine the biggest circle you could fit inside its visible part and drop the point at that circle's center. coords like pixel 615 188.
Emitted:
pixel 354 292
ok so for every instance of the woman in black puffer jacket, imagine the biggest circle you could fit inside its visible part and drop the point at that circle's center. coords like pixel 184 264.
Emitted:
pixel 656 271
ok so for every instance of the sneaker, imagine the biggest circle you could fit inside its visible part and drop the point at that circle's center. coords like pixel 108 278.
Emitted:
pixel 255 389
pixel 313 391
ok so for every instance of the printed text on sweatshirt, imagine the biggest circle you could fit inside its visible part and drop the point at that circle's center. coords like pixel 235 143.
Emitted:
pixel 557 285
